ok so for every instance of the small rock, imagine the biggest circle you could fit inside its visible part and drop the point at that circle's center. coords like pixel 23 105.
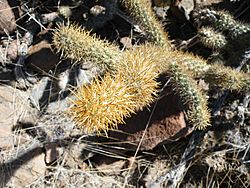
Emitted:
pixel 181 9
pixel 157 169
pixel 103 165
pixel 8 52
pixel 12 50
pixel 76 154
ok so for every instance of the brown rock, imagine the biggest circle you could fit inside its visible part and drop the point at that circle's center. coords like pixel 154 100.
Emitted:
pixel 31 170
pixel 41 57
pixel 167 124
pixel 7 18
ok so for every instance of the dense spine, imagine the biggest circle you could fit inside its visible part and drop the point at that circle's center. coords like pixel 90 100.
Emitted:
pixel 104 104
pixel 142 13
pixel 191 96
pixel 226 22
pixel 216 75
pixel 227 78
pixel 212 39
pixel 81 46
pixel 138 72
pixel 163 59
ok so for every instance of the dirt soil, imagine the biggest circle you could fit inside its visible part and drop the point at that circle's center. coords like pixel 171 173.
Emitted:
pixel 40 146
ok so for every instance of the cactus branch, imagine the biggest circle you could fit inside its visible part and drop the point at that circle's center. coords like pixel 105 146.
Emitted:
pixel 191 96
pixel 81 46
pixel 212 39
pixel 143 14
pixel 104 104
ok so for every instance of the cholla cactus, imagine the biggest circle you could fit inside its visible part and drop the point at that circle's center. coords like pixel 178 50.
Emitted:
pixel 216 75
pixel 133 84
pixel 105 103
pixel 101 14
pixel 225 22
pixel 102 105
pixel 228 78
pixel 163 58
pixel 138 72
pixel 65 11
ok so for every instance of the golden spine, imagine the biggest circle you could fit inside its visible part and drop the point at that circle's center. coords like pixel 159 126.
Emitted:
pixel 104 104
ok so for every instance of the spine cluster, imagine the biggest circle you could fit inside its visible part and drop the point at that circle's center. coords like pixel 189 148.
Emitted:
pixel 226 22
pixel 228 78
pixel 222 21
pixel 216 75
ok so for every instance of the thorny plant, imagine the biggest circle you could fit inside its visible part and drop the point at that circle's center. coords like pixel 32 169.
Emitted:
pixel 129 78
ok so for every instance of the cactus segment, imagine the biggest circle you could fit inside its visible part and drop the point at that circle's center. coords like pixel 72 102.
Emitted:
pixel 212 39
pixel 100 15
pixel 223 21
pixel 80 45
pixel 104 104
pixel 187 88
pixel 142 12
pixel 163 59
pixel 216 75
pixel 227 78
pixel 226 22
pixel 131 82
pixel 138 72
pixel 65 11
